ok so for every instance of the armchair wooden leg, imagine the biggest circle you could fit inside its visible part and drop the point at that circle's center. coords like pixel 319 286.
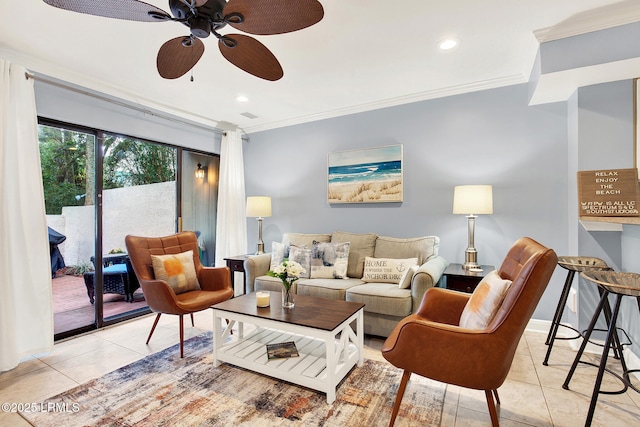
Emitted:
pixel 192 324
pixel 396 406
pixel 181 336
pixel 153 328
pixel 492 406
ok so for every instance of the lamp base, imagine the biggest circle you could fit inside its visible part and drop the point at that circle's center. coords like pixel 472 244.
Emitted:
pixel 260 250
pixel 470 258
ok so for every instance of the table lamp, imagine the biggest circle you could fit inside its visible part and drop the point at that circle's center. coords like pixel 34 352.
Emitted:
pixel 471 200
pixel 259 207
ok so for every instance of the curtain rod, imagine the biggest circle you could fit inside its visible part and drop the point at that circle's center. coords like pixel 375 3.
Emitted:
pixel 29 75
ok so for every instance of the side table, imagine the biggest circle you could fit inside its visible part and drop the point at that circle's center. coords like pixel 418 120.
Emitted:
pixel 236 264
pixel 458 278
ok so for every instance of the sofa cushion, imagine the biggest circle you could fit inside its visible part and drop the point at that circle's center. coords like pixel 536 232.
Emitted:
pixel 423 248
pixel 382 298
pixel 177 270
pixel 303 257
pixel 279 251
pixel 386 270
pixel 326 288
pixel 361 246
pixel 407 277
pixel 301 240
pixel 484 302
pixel 329 260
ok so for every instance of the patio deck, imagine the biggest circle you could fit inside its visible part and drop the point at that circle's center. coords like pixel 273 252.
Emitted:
pixel 72 309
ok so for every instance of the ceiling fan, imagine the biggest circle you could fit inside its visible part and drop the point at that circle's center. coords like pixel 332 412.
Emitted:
pixel 204 17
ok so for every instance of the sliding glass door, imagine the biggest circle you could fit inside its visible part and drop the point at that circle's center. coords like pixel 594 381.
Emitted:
pixel 199 195
pixel 68 175
pixel 99 187
pixel 139 197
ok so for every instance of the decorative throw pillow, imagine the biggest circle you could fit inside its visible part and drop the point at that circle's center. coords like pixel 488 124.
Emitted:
pixel 303 257
pixel 329 260
pixel 407 277
pixel 386 270
pixel 484 302
pixel 279 251
pixel 177 270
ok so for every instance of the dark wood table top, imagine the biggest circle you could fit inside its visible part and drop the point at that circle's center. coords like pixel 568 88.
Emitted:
pixel 318 313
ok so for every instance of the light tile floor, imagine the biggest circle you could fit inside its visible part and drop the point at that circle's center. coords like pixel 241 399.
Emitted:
pixel 532 395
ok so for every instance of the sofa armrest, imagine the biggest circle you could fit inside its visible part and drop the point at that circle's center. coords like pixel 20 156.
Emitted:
pixel 427 276
pixel 255 266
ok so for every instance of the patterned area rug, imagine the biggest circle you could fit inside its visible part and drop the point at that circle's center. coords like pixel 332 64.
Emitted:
pixel 164 390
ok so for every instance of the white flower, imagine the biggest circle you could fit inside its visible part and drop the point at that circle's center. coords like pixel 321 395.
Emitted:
pixel 279 269
pixel 287 271
pixel 295 269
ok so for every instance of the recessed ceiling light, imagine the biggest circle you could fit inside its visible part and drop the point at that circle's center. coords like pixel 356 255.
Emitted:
pixel 242 98
pixel 447 44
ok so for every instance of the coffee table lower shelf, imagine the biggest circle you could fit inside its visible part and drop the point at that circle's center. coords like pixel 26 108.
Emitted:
pixel 325 357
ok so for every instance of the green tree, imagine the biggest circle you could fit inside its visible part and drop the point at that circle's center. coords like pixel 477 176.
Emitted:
pixel 68 171
pixel 130 162
pixel 63 162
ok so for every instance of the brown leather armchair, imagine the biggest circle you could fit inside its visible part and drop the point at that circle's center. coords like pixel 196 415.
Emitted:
pixel 215 282
pixel 431 344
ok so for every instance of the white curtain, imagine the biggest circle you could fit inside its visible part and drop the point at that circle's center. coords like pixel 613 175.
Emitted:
pixel 231 228
pixel 26 303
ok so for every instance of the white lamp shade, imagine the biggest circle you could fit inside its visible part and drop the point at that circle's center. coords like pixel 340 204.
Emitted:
pixel 473 199
pixel 259 206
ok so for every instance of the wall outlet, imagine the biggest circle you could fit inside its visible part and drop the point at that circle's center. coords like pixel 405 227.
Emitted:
pixel 572 300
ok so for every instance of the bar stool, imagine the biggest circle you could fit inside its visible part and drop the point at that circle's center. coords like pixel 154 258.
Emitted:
pixel 573 264
pixel 620 284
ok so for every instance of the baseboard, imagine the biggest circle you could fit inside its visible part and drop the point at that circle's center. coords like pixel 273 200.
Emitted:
pixel 543 326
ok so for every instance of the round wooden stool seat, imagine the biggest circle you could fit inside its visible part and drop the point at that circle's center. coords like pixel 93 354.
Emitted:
pixel 582 263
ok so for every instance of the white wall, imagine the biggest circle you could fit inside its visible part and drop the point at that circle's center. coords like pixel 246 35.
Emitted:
pixel 144 210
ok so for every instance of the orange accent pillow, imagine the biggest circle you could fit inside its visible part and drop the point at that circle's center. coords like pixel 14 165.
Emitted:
pixel 484 302
pixel 177 270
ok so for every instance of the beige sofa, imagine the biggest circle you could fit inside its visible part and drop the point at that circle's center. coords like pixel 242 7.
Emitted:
pixel 385 303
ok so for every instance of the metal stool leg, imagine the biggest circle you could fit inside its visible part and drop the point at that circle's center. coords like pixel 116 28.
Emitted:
pixel 587 335
pixel 603 361
pixel 617 347
pixel 555 323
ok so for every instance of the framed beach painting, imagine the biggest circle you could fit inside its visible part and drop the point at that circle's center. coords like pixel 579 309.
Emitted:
pixel 371 175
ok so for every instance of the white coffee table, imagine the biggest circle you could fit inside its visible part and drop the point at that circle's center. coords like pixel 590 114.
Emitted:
pixel 328 346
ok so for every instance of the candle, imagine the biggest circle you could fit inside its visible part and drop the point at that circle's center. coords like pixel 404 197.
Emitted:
pixel 262 299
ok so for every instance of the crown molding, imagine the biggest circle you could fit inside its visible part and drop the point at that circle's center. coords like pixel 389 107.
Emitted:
pixel 392 102
pixel 602 18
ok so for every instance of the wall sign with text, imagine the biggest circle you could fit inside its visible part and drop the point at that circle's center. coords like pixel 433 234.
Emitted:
pixel 612 192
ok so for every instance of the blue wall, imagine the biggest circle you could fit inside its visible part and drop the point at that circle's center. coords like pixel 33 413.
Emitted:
pixel 488 137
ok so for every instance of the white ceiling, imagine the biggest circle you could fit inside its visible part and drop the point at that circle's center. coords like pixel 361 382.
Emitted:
pixel 364 54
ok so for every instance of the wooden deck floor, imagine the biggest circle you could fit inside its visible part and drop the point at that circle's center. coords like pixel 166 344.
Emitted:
pixel 72 308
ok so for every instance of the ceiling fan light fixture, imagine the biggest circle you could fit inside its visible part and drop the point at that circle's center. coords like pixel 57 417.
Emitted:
pixel 200 27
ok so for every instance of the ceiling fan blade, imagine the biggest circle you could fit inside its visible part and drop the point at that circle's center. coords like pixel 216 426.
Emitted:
pixel 273 16
pixel 251 56
pixel 130 10
pixel 176 56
